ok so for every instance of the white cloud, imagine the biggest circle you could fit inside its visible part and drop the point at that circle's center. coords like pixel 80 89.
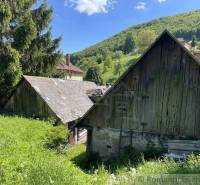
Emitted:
pixel 161 1
pixel 141 5
pixel 90 7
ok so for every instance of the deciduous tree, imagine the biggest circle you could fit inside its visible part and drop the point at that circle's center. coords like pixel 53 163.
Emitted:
pixel 144 39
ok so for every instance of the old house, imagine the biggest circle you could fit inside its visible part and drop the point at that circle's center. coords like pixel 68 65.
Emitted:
pixel 155 105
pixel 71 72
pixel 64 101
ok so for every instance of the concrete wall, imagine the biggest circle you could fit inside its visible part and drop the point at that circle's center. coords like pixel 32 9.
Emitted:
pixel 105 142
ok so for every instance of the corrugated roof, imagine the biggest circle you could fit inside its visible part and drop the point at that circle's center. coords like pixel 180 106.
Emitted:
pixel 67 98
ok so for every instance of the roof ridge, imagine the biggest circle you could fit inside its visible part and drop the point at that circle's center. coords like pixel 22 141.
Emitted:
pixel 139 59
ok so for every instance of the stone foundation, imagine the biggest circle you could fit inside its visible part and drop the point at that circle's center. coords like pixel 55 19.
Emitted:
pixel 105 142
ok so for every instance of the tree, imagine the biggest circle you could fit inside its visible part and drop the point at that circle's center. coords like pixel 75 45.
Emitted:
pixel 108 61
pixel 129 44
pixel 117 68
pixel 144 39
pixel 26 41
pixel 10 70
pixel 105 69
pixel 93 74
pixel 118 54
pixel 194 41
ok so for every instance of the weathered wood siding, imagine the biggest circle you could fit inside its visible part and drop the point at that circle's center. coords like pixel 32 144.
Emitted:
pixel 161 94
pixel 25 101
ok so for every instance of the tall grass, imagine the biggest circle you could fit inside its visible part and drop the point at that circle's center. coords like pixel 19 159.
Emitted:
pixel 28 157
pixel 25 160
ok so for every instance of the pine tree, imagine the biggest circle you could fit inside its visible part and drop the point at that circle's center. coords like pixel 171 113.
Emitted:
pixel 26 44
pixel 42 54
pixel 10 70
pixel 93 74
pixel 194 41
pixel 129 44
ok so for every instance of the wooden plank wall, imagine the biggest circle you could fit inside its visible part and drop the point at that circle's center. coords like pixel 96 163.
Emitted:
pixel 27 102
pixel 160 95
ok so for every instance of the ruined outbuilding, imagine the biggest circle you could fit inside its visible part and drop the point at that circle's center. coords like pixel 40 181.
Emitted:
pixel 63 101
pixel 155 105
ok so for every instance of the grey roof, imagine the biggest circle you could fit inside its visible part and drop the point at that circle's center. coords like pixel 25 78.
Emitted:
pixel 66 98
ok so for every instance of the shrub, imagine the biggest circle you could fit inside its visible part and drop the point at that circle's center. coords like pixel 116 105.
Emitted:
pixel 56 136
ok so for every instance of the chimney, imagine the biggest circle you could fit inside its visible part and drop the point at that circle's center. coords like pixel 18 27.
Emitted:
pixel 68 59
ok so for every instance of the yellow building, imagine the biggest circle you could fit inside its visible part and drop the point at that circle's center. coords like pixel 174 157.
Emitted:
pixel 72 72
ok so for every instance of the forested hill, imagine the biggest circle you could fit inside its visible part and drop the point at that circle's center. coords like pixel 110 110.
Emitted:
pixel 107 60
pixel 182 25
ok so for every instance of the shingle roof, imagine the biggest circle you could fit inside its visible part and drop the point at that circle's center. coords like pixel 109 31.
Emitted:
pixel 69 68
pixel 67 98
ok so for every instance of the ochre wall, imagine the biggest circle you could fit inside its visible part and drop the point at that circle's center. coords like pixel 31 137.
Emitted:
pixel 74 76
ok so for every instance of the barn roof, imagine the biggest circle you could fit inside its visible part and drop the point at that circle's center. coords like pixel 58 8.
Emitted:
pixel 67 98
pixel 110 90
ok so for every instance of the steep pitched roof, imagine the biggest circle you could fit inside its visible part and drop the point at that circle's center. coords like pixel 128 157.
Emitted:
pixel 67 98
pixel 68 68
pixel 165 33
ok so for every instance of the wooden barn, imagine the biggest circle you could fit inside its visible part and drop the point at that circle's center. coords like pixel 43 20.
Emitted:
pixel 63 101
pixel 155 105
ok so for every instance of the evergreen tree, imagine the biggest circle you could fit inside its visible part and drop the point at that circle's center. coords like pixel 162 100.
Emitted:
pixel 10 70
pixel 194 41
pixel 26 45
pixel 129 44
pixel 93 74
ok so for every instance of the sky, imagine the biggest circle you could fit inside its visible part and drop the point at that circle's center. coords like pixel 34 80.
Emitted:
pixel 83 23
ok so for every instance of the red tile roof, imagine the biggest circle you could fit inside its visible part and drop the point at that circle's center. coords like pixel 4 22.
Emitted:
pixel 68 67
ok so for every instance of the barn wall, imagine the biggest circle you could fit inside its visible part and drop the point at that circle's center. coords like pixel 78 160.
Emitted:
pixel 105 142
pixel 159 95
pixel 25 101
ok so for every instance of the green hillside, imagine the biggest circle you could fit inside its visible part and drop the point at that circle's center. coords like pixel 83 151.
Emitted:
pixel 183 25
pixel 186 25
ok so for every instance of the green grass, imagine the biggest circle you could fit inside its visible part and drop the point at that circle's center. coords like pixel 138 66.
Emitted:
pixel 25 159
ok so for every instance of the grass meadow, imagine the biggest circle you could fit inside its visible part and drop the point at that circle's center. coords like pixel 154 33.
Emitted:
pixel 29 154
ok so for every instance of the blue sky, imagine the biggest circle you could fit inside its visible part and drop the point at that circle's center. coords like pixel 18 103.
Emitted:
pixel 83 23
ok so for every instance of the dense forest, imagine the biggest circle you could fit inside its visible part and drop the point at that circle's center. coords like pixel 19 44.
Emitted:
pixel 115 54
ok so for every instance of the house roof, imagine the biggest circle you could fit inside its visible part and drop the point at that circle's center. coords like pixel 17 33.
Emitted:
pixel 67 98
pixel 68 68
pixel 165 33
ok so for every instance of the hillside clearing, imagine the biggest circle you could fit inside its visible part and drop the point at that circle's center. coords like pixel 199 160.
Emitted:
pixel 25 160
